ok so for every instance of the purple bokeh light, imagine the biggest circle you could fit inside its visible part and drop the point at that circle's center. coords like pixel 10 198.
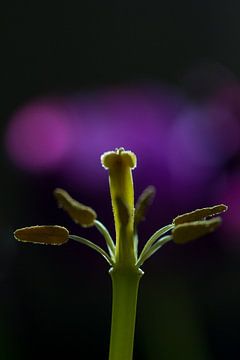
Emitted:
pixel 135 118
pixel 38 136
pixel 181 146
pixel 200 141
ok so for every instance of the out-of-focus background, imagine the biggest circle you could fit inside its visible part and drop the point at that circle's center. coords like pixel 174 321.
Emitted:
pixel 80 78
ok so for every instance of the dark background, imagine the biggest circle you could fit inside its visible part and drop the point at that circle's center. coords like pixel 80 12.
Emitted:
pixel 56 301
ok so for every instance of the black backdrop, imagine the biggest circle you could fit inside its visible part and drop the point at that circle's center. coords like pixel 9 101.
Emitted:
pixel 51 304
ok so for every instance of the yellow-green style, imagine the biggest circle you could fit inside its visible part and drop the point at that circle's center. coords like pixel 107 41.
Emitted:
pixel 120 163
pixel 122 254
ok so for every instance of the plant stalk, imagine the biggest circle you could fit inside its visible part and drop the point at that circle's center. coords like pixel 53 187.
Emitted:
pixel 125 284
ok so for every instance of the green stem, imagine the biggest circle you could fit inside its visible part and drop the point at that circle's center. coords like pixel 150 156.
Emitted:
pixel 124 303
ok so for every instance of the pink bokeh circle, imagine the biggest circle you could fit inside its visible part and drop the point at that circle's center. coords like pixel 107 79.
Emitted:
pixel 38 136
